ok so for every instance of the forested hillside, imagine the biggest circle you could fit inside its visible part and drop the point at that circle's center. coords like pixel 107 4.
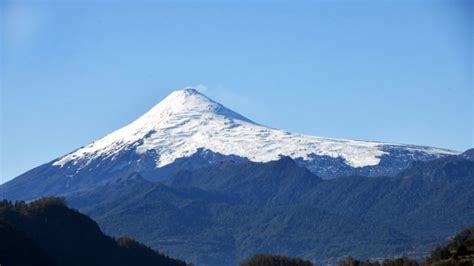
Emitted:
pixel 458 252
pixel 218 215
pixel 47 232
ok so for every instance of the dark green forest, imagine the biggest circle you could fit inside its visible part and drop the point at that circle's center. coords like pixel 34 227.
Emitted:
pixel 223 214
pixel 274 260
pixel 458 252
pixel 47 232
pixel 220 215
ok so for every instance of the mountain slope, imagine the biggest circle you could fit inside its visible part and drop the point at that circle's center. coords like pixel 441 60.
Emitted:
pixel 16 248
pixel 187 131
pixel 52 234
pixel 459 250
pixel 186 121
pixel 223 213
pixel 212 228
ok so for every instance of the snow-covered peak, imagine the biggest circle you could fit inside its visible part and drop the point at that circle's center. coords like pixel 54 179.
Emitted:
pixel 188 101
pixel 182 101
pixel 187 121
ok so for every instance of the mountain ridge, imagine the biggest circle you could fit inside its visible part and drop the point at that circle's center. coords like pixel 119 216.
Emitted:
pixel 50 233
pixel 189 131
pixel 220 214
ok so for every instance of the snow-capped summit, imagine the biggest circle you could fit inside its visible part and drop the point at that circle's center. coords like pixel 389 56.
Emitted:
pixel 188 131
pixel 187 121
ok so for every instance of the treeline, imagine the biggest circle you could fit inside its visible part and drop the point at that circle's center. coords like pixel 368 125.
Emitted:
pixel 403 261
pixel 458 252
pixel 273 260
pixel 47 232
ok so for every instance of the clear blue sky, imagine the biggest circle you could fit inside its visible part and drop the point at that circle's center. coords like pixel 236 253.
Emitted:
pixel 398 71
